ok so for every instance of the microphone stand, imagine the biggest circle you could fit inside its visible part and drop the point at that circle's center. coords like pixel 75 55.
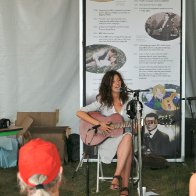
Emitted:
pixel 138 118
pixel 86 155
pixel 139 123
pixel 190 106
pixel 193 132
pixel 138 113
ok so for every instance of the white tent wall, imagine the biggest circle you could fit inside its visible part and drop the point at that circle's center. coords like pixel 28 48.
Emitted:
pixel 39 58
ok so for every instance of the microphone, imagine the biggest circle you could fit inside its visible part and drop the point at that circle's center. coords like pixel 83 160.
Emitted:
pixel 189 98
pixel 123 89
pixel 94 127
pixel 126 89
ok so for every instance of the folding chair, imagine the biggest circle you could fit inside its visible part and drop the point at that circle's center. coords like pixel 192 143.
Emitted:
pixel 101 177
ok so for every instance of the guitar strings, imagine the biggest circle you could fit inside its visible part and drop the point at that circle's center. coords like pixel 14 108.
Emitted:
pixel 123 124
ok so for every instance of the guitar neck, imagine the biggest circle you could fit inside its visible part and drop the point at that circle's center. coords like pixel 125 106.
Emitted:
pixel 123 124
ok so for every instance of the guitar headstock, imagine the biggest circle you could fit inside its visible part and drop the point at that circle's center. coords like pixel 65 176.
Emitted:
pixel 166 120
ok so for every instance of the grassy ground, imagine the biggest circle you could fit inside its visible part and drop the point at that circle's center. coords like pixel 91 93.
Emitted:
pixel 172 181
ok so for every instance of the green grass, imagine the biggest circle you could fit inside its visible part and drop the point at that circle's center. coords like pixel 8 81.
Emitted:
pixel 172 181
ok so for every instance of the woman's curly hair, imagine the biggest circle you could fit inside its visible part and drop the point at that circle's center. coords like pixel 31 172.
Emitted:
pixel 105 89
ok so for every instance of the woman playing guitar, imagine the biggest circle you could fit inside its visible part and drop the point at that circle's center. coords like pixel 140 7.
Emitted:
pixel 109 101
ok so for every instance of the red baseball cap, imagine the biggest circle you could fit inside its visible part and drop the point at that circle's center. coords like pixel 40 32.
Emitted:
pixel 39 157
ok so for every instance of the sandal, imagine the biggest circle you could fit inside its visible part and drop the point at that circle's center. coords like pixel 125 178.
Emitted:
pixel 116 186
pixel 124 191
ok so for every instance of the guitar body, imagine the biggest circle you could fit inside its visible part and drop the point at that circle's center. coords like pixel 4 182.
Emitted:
pixel 90 138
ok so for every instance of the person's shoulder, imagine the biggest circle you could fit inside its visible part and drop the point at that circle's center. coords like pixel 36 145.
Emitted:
pixel 96 102
pixel 192 185
pixel 162 133
pixel 193 178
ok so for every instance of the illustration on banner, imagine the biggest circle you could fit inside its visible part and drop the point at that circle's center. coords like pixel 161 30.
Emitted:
pixel 162 97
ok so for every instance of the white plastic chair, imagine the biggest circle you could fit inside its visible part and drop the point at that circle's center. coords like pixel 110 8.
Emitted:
pixel 101 177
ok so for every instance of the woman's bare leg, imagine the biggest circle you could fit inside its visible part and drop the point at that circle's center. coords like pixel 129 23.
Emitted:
pixel 124 154
pixel 125 174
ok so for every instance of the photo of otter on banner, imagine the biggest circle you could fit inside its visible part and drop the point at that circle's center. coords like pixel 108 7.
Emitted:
pixel 102 58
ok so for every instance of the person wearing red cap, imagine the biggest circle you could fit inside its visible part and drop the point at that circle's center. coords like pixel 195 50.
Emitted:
pixel 39 168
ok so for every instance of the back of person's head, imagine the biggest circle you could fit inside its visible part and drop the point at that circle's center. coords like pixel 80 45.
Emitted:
pixel 39 168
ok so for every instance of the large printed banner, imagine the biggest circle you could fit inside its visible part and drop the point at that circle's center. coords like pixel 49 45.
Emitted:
pixel 142 40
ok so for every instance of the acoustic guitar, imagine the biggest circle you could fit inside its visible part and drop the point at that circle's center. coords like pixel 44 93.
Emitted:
pixel 92 137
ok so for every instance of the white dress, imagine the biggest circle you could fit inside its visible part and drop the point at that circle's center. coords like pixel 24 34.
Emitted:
pixel 109 147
